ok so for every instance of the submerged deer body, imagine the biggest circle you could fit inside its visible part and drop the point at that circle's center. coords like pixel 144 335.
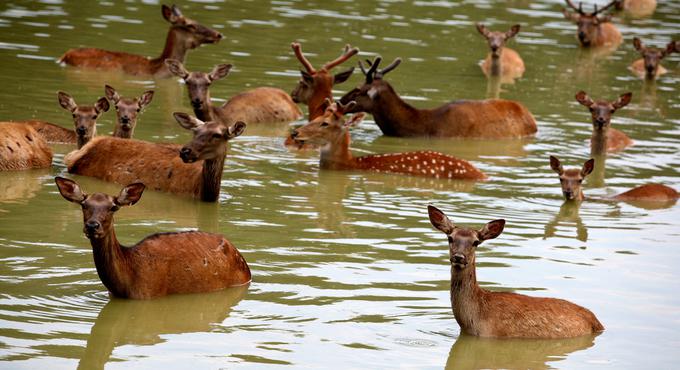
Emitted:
pixel 194 170
pixel 605 138
pixel 637 8
pixel 493 118
pixel 484 313
pixel 501 61
pixel 331 131
pixel 259 105
pixel 22 148
pixel 592 29
pixel 160 264
pixel 649 66
pixel 184 34
pixel 127 110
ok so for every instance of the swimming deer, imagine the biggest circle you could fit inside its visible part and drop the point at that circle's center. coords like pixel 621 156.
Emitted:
pixel 637 8
pixel 594 30
pixel 259 105
pixel 484 313
pixel 332 132
pixel 22 148
pixel 605 138
pixel 649 66
pixel 184 34
pixel 84 117
pixel 493 118
pixel 160 264
pixel 127 110
pixel 572 179
pixel 501 61
pixel 193 170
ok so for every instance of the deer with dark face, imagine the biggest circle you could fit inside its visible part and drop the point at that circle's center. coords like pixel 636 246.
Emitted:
pixel 160 264
pixel 84 117
pixel 194 170
pixel 484 313
pixel 593 30
pixel 501 61
pixel 184 34
pixel 259 105
pixel 331 132
pixel 649 66
pixel 127 110
pixel 605 138
pixel 493 118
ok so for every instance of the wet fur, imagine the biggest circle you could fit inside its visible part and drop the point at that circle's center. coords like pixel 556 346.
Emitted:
pixel 22 148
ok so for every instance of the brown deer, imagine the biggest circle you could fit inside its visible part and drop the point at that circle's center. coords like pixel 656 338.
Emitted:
pixel 84 117
pixel 332 132
pixel 594 30
pixel 501 61
pixel 127 110
pixel 22 148
pixel 493 118
pixel 160 264
pixel 259 105
pixel 649 66
pixel 184 34
pixel 637 8
pixel 605 138
pixel 484 313
pixel 572 179
pixel 193 170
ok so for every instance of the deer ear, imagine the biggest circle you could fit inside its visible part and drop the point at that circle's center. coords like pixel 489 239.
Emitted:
pixel 187 121
pixel 670 48
pixel 513 31
pixel 342 76
pixel 637 44
pixel 66 101
pixel 145 99
pixel 584 99
pixel 220 71
pixel 176 68
pixel 491 230
pixel 236 129
pixel 439 220
pixel 70 190
pixel 306 77
pixel 102 105
pixel 111 93
pixel 588 167
pixel 482 29
pixel 171 14
pixel 623 100
pixel 355 119
pixel 130 194
pixel 556 165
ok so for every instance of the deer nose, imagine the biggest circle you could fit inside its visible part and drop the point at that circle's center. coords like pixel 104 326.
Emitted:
pixel 92 225
pixel 196 102
pixel 184 153
pixel 220 36
pixel 569 194
pixel 458 259
pixel 125 119
pixel 81 130
pixel 582 35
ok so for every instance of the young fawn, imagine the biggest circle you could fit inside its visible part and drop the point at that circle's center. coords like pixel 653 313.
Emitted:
pixel 160 264
pixel 592 29
pixel 605 138
pixel 649 66
pixel 184 34
pixel 331 130
pixel 502 314
pixel 501 61
pixel 22 148
pixel 127 110
pixel 572 180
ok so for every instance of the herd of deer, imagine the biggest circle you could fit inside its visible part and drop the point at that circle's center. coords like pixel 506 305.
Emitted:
pixel 195 261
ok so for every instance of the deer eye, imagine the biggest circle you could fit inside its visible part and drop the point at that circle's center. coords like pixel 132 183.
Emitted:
pixel 580 181
pixel 114 208
pixel 94 117
pixel 217 136
pixel 475 243
pixel 324 124
pixel 139 109
pixel 74 115
pixel 591 110
pixel 450 239
pixel 612 111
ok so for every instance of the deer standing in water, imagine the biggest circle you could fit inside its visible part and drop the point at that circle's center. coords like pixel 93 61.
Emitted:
pixel 22 148
pixel 160 264
pixel 493 118
pixel 649 66
pixel 331 130
pixel 483 313
pixel 184 34
pixel 637 8
pixel 259 105
pixel 84 119
pixel 605 138
pixel 572 179
pixel 594 30
pixel 193 170
pixel 127 110
pixel 501 61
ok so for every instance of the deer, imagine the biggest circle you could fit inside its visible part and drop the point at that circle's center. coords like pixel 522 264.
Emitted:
pixel 127 110
pixel 22 148
pixel 636 8
pixel 161 263
pixel 649 66
pixel 572 189
pixel 332 132
pixel 184 34
pixel 491 119
pixel 605 138
pixel 484 313
pixel 593 30
pixel 192 170
pixel 259 105
pixel 501 61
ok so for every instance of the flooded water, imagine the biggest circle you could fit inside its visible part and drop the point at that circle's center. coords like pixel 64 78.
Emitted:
pixel 347 271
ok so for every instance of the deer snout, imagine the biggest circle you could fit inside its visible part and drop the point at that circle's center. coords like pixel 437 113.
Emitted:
pixel 125 120
pixel 458 260
pixel 185 154
pixel 601 121
pixel 568 194
pixel 81 130
pixel 219 36
pixel 196 103
pixel 92 227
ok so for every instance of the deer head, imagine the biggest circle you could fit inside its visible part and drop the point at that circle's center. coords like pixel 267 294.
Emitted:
pixel 84 117
pixel 588 24
pixel 98 208
pixel 495 39
pixel 210 138
pixel 189 31
pixel 572 178
pixel 462 240
pixel 652 56
pixel 127 110
pixel 198 83
pixel 329 127
pixel 369 93
pixel 601 111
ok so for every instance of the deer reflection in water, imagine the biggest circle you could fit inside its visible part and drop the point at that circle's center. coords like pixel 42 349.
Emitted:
pixel 569 213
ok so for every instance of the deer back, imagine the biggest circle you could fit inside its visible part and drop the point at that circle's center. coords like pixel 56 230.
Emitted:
pixel 260 105
pixel 655 192
pixel 424 163
pixel 94 58
pixel 21 148
pixel 53 134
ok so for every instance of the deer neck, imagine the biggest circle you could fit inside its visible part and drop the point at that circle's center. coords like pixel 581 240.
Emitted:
pixel 496 67
pixel 174 49
pixel 394 116
pixel 316 103
pixel 466 298
pixel 336 154
pixel 598 141
pixel 125 134
pixel 211 177
pixel 112 264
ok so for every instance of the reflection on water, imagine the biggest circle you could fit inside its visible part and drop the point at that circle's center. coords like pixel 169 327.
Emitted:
pixel 568 214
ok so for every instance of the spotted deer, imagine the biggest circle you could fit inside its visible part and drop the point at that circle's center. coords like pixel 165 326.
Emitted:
pixel 492 118
pixel 331 131
pixel 605 138
pixel 649 66
pixel 22 148
pixel 184 34
pixel 161 263
pixel 485 313
pixel 593 30
pixel 127 110
pixel 501 61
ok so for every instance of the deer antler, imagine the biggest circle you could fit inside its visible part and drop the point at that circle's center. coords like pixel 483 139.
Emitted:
pixel 603 9
pixel 348 53
pixel 298 53
pixel 579 9
pixel 387 69
pixel 342 108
